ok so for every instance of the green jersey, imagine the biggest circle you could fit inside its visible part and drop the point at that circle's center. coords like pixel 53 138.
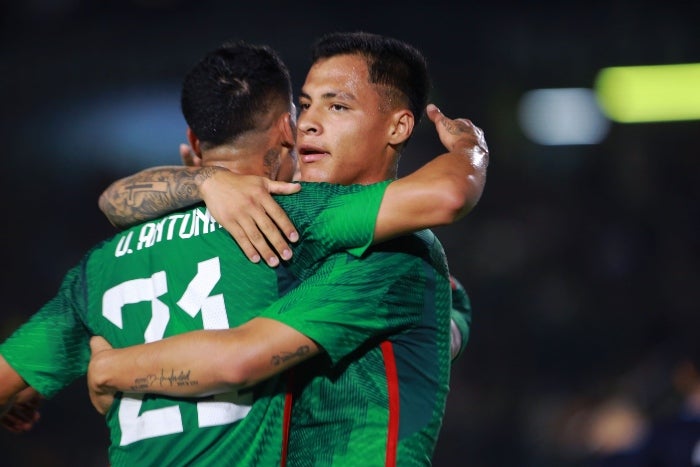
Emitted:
pixel 461 313
pixel 377 395
pixel 176 274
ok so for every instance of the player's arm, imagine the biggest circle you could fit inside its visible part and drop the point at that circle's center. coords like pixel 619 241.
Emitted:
pixel 442 191
pixel 256 219
pixel 152 193
pixel 213 361
pixel 23 413
pixel 203 362
pixel 19 403
pixel 11 383
pixel 241 203
pixel 44 354
pixel 439 193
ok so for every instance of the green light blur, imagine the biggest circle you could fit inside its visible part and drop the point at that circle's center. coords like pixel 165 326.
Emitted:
pixel 656 93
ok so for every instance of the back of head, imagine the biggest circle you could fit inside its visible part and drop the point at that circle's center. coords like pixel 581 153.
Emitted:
pixel 391 63
pixel 232 89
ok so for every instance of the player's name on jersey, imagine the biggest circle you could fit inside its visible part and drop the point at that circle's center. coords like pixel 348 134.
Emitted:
pixel 183 225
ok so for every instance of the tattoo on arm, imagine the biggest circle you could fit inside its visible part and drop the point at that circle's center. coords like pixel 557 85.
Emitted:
pixel 152 193
pixel 164 379
pixel 172 377
pixel 283 357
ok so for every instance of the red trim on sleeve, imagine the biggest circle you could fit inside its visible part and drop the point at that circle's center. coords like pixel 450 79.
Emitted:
pixel 392 379
pixel 287 418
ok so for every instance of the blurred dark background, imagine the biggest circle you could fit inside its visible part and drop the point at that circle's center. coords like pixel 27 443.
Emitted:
pixel 581 260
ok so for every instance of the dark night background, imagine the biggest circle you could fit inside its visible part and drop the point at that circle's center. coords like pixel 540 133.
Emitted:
pixel 581 261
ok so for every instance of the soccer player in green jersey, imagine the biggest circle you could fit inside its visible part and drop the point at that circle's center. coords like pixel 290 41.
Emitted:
pixel 376 393
pixel 182 272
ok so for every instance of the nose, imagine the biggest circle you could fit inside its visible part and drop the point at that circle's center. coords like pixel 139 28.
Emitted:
pixel 307 123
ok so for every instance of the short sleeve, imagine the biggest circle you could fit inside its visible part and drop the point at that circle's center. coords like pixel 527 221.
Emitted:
pixel 52 349
pixel 333 218
pixel 350 300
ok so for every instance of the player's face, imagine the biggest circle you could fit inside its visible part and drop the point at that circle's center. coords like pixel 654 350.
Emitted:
pixel 343 136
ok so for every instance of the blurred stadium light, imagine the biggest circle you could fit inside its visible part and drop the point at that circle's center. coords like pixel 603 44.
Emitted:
pixel 565 116
pixel 122 129
pixel 655 93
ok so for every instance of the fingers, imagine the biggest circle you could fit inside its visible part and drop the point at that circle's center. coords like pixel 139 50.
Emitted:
pixel 458 132
pixel 279 217
pixel 98 344
pixel 433 112
pixel 241 238
pixel 283 188
pixel 244 206
pixel 21 418
pixel 269 240
pixel 102 403
pixel 263 232
pixel 253 234
pixel 187 155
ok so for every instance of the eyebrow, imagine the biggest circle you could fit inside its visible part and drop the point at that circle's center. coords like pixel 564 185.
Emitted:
pixel 330 95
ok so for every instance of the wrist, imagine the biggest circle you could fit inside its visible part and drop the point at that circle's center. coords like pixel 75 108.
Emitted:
pixel 99 370
pixel 204 179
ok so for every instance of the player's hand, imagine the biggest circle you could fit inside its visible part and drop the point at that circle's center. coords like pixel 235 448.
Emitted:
pixel 458 134
pixel 101 398
pixel 243 205
pixel 187 155
pixel 23 414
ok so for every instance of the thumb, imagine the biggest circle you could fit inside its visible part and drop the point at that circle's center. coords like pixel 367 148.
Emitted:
pixel 186 155
pixel 282 188
pixel 98 344
pixel 433 112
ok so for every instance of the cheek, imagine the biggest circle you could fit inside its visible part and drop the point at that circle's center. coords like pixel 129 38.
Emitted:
pixel 355 144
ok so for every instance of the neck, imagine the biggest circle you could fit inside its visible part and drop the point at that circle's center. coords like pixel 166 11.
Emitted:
pixel 242 162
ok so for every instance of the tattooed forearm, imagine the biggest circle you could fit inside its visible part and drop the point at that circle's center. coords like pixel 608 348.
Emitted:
pixel 163 380
pixel 287 356
pixel 152 193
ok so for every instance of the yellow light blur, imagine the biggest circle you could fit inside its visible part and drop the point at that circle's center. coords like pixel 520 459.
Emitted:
pixel 656 93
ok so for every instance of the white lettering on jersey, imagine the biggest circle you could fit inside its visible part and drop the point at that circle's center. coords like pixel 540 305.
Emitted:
pixel 189 225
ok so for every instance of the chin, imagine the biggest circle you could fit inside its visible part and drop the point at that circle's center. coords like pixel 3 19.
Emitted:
pixel 309 174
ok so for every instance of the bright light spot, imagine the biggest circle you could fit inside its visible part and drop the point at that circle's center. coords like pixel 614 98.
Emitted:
pixel 123 130
pixel 562 117
pixel 654 93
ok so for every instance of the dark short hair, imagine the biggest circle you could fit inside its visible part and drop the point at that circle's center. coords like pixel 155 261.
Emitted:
pixel 390 62
pixel 228 91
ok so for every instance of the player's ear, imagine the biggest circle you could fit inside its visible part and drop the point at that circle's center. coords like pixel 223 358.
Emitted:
pixel 401 126
pixel 287 128
pixel 192 157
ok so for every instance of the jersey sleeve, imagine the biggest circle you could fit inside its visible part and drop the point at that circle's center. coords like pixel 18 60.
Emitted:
pixel 335 218
pixel 52 349
pixel 461 313
pixel 349 301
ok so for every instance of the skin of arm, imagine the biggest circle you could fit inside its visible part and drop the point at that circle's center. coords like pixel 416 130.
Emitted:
pixel 197 362
pixel 23 412
pixel 256 224
pixel 439 193
pixel 152 193
pixel 11 385
pixel 222 360
pixel 442 191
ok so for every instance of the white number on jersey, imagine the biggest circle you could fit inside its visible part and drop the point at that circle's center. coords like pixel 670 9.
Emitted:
pixel 196 298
